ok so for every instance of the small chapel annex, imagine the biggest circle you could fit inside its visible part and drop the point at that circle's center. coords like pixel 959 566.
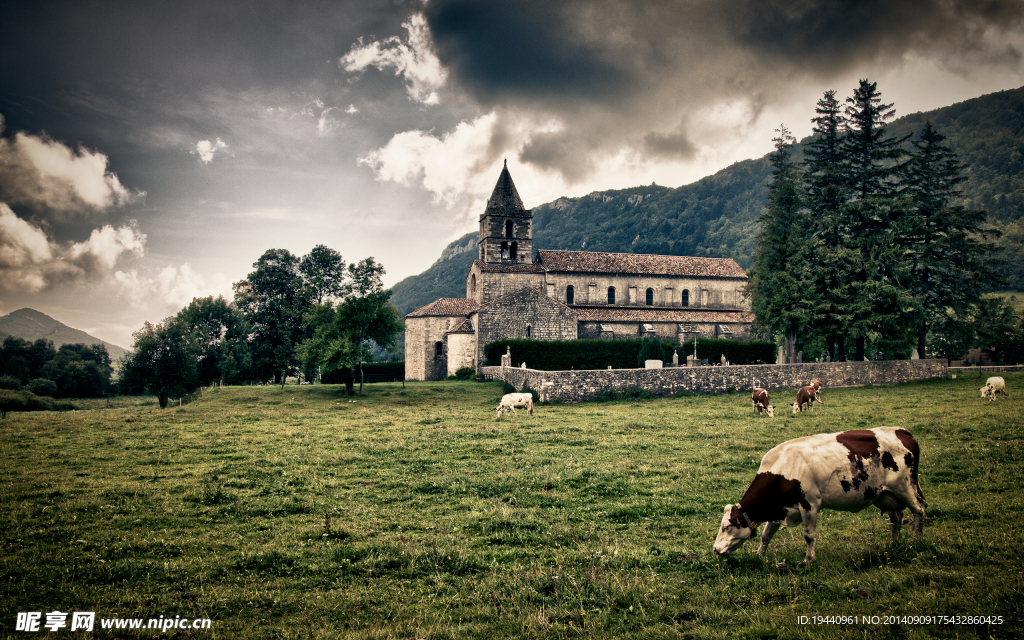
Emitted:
pixel 565 295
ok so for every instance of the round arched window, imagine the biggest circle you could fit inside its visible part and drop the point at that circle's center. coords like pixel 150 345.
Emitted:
pixel 686 297
pixel 611 295
pixel 650 297
pixel 570 295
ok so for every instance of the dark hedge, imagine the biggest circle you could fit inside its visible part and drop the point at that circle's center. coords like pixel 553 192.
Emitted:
pixel 562 355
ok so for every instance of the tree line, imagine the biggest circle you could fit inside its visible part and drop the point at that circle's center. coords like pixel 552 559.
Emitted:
pixel 289 316
pixel 865 245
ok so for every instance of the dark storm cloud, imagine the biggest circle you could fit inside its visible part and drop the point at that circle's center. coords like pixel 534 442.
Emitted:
pixel 624 74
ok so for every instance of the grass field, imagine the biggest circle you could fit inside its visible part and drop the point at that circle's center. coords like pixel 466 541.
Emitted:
pixel 583 521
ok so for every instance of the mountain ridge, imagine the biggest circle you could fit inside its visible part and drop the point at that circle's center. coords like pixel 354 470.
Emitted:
pixel 31 325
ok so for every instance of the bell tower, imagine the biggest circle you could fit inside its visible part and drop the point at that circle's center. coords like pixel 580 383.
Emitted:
pixel 506 227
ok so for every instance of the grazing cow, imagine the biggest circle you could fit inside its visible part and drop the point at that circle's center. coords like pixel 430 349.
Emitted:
pixel 804 398
pixel 760 401
pixel 510 401
pixel 817 390
pixel 846 471
pixel 993 386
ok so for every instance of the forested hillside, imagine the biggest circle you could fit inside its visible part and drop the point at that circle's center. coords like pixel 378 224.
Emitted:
pixel 717 215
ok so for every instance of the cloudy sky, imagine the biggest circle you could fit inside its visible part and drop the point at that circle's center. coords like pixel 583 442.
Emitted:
pixel 151 151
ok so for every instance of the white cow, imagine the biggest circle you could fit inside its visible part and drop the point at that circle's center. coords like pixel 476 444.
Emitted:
pixel 993 386
pixel 510 401
pixel 846 471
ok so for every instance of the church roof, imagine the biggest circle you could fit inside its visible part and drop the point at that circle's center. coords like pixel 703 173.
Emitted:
pixel 659 314
pixel 511 267
pixel 505 195
pixel 639 263
pixel 446 307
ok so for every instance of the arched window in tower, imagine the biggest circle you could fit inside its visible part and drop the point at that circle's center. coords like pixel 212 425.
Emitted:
pixel 438 349
pixel 472 285
pixel 514 251
pixel 508 228
pixel 650 297
pixel 504 251
pixel 611 295
pixel 529 331
pixel 686 297
pixel 570 295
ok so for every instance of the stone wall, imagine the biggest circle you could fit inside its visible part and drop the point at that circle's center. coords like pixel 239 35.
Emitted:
pixel 510 317
pixel 705 293
pixel 461 348
pixel 421 336
pixel 578 386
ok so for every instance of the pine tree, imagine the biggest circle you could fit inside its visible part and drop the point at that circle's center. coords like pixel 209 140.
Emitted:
pixel 872 215
pixel 825 184
pixel 948 251
pixel 780 280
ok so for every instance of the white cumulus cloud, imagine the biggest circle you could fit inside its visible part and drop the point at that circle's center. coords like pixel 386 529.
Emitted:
pixel 205 149
pixel 412 58
pixel 170 288
pixel 31 262
pixel 39 172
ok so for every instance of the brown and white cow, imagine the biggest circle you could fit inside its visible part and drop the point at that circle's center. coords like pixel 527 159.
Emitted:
pixel 817 390
pixel 761 402
pixel 805 397
pixel 846 471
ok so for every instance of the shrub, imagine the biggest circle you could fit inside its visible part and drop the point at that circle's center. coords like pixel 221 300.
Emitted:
pixel 10 383
pixel 27 401
pixel 465 373
pixel 650 349
pixel 43 387
pixel 562 355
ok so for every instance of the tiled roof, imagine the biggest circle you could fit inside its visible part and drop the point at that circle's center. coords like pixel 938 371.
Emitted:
pixel 659 314
pixel 446 307
pixel 505 195
pixel 511 267
pixel 466 326
pixel 639 263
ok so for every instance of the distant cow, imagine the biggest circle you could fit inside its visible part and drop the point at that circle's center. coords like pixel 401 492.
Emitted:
pixel 845 471
pixel 761 402
pixel 817 390
pixel 510 401
pixel 993 386
pixel 805 398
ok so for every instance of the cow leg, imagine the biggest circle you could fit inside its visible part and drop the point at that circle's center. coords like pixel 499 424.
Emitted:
pixel 896 520
pixel 810 517
pixel 766 536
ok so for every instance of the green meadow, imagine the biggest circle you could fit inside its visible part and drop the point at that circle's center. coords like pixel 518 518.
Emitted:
pixel 411 512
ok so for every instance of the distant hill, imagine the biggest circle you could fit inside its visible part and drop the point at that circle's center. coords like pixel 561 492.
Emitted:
pixel 31 325
pixel 717 215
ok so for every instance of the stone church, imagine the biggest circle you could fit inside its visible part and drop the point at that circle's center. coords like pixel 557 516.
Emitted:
pixel 565 295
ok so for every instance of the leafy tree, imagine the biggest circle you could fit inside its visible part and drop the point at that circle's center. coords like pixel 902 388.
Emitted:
pixel 1000 330
pixel 220 333
pixel 323 271
pixel 43 387
pixel 950 260
pixel 164 361
pixel 781 284
pixel 344 335
pixel 273 299
pixel 80 370
pixel 23 359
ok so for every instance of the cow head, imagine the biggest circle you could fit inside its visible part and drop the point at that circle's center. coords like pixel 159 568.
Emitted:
pixel 985 391
pixel 500 410
pixel 735 530
pixel 796 408
pixel 770 410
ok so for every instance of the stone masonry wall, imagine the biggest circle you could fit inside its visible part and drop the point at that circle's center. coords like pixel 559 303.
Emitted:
pixel 579 386
pixel 509 318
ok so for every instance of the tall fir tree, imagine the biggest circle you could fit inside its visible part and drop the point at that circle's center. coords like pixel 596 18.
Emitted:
pixel 948 249
pixel 872 216
pixel 826 186
pixel 780 280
